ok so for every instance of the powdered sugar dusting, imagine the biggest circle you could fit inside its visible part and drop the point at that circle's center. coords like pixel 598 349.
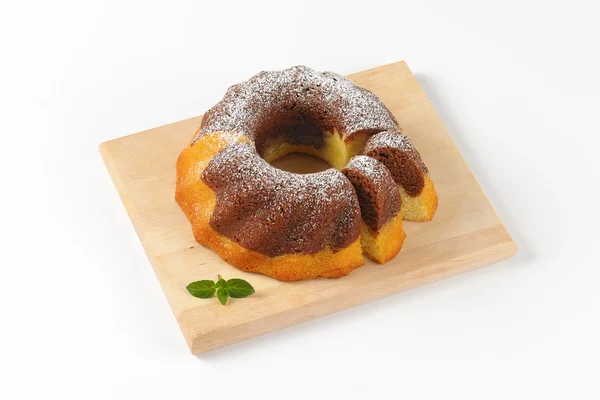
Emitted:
pixel 326 186
pixel 390 139
pixel 350 107
pixel 377 194
pixel 396 140
pixel 278 212
pixel 371 168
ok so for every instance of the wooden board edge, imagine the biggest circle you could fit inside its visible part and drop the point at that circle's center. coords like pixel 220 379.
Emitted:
pixel 110 141
pixel 105 153
pixel 394 64
pixel 201 343
pixel 435 114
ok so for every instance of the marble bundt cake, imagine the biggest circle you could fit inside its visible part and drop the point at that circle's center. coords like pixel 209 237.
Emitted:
pixel 301 226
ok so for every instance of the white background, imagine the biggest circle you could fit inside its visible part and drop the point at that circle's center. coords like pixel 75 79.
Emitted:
pixel 83 316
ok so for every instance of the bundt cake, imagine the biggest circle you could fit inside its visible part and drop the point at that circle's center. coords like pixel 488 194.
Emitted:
pixel 292 226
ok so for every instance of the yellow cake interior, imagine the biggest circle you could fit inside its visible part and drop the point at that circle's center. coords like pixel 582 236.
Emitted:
pixel 336 151
pixel 384 245
pixel 422 207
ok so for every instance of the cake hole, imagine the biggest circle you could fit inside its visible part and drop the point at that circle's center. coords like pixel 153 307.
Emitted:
pixel 302 141
pixel 300 163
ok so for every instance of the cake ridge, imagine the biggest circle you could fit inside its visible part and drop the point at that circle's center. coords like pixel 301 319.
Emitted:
pixel 349 108
pixel 295 206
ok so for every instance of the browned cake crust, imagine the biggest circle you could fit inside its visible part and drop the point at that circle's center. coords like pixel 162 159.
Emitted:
pixel 281 224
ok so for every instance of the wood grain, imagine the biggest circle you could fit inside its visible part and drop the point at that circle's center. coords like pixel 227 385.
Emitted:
pixel 466 232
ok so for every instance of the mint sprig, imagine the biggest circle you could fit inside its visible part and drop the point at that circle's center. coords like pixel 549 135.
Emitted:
pixel 235 288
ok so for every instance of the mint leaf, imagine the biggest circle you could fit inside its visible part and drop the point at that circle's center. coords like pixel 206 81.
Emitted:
pixel 222 295
pixel 220 282
pixel 239 288
pixel 202 289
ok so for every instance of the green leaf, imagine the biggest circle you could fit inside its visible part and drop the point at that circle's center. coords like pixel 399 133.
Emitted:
pixel 222 295
pixel 239 288
pixel 202 289
pixel 220 282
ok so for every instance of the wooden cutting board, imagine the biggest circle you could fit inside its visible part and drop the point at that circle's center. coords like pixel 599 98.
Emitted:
pixel 466 232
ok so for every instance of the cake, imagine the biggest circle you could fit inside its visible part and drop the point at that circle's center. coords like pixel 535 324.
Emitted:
pixel 292 226
pixel 382 234
pixel 397 153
